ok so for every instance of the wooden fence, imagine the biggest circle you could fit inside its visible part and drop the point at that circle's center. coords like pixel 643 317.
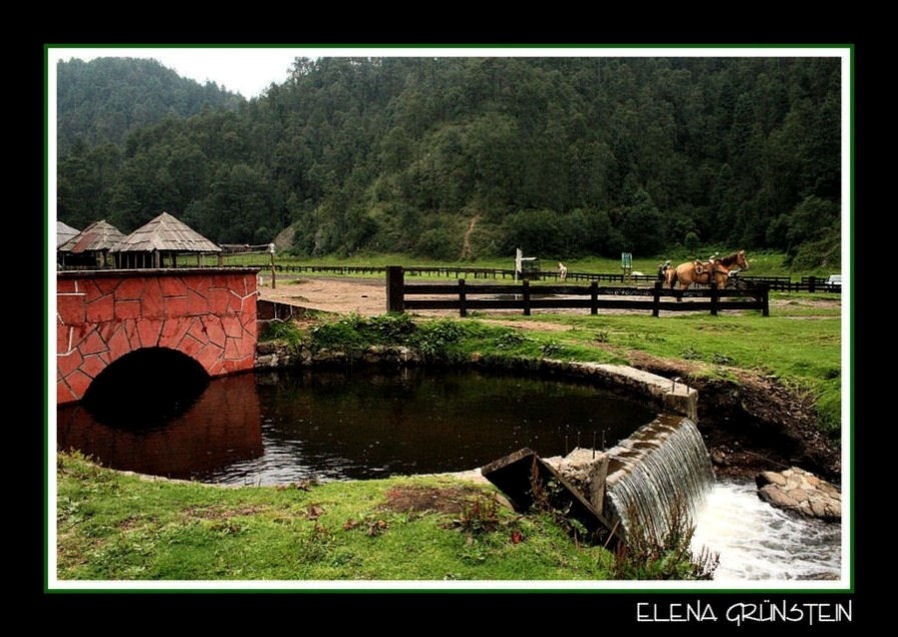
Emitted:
pixel 524 297
pixel 774 283
pixel 460 271
pixel 786 284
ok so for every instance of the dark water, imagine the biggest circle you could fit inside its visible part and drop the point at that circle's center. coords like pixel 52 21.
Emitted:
pixel 274 428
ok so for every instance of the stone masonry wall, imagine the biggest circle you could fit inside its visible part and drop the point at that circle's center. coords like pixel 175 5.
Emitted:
pixel 208 314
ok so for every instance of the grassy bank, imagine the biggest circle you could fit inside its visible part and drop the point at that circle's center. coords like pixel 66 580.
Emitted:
pixel 805 355
pixel 116 526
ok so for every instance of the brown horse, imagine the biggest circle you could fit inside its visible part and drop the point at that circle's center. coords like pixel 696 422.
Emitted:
pixel 737 259
pixel 697 272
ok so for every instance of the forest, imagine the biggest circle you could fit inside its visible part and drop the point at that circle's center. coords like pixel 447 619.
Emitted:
pixel 563 157
pixel 106 99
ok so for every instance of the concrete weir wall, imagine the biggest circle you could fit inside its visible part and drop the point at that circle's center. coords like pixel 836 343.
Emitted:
pixel 670 396
pixel 660 467
pixel 208 314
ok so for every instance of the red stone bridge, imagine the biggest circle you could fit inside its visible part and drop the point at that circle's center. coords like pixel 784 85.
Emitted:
pixel 208 314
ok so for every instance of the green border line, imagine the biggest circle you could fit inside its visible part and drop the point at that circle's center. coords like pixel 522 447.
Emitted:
pixel 46 306
pixel 631 591
pixel 851 209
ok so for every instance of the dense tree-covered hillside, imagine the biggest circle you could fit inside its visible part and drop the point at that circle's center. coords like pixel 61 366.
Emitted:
pixel 560 156
pixel 107 98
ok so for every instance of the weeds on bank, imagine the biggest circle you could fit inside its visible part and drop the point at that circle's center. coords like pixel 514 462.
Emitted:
pixel 478 516
pixel 286 331
pixel 662 554
pixel 447 339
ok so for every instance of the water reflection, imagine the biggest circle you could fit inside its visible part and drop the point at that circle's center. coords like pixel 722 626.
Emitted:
pixel 274 428
pixel 222 427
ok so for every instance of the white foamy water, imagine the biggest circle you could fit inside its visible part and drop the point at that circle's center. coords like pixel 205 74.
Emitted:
pixel 756 541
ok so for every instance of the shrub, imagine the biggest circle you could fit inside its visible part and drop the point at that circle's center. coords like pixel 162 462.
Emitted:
pixel 389 329
pixel 478 516
pixel 356 331
pixel 433 339
pixel 282 331
pixel 509 340
pixel 550 349
pixel 438 243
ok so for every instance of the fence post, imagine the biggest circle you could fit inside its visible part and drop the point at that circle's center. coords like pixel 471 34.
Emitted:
pixel 526 285
pixel 462 297
pixel 713 299
pixel 395 289
pixel 656 298
pixel 812 284
pixel 594 298
pixel 765 300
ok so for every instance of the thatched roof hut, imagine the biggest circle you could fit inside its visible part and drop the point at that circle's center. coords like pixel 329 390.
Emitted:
pixel 162 236
pixel 92 245
pixel 64 232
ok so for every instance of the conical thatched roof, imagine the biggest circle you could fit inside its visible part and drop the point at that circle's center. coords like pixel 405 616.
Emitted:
pixel 165 233
pixel 64 233
pixel 97 236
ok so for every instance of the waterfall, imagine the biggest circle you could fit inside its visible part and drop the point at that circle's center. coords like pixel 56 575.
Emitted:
pixel 661 463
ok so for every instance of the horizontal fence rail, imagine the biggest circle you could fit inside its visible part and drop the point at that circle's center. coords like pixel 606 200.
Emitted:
pixel 774 283
pixel 777 283
pixel 464 297
pixel 786 284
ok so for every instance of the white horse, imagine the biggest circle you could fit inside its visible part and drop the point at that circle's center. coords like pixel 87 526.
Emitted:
pixel 562 271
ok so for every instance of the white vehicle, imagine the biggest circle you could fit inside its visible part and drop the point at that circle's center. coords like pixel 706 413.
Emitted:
pixel 835 280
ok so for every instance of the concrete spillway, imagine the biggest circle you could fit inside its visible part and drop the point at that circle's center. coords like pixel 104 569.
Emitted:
pixel 662 466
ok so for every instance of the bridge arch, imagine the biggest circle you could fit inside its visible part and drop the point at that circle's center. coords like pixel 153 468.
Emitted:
pixel 148 383
pixel 207 314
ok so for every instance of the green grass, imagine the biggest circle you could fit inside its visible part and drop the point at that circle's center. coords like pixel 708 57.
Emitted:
pixel 761 263
pixel 444 339
pixel 800 310
pixel 119 527
pixel 287 332
pixel 804 297
pixel 804 354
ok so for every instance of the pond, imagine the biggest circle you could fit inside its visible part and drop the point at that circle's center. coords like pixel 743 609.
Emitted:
pixel 276 428
pixel 282 427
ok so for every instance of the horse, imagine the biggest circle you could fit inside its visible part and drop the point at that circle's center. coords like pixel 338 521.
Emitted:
pixel 562 270
pixel 736 259
pixel 697 272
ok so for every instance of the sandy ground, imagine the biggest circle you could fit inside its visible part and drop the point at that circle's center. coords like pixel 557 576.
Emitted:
pixel 331 294
pixel 367 296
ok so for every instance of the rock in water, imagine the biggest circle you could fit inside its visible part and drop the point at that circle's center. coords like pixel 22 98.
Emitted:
pixel 802 492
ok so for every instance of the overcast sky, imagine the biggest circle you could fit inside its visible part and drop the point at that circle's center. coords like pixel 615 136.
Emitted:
pixel 249 71
pixel 244 71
